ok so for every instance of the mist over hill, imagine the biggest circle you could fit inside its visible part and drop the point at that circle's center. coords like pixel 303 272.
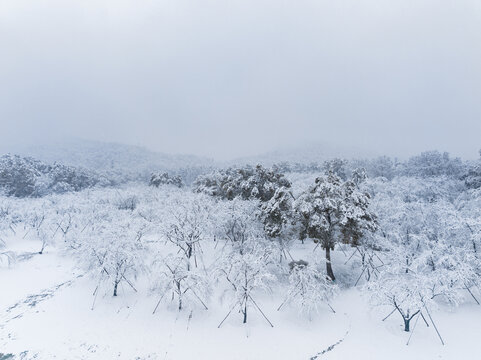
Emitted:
pixel 306 154
pixel 112 159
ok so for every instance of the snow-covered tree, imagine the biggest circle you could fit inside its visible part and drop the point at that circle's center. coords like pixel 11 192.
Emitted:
pixel 38 223
pixel 434 163
pixel 6 257
pixel 185 227
pixel 382 166
pixel 27 177
pixel 472 178
pixel 309 288
pixel 247 272
pixel 237 222
pixel 112 247
pixel 278 216
pixel 186 285
pixel 158 179
pixel 247 182
pixel 333 211
pixel 407 292
pixel 427 249
pixel 337 166
pixel 277 213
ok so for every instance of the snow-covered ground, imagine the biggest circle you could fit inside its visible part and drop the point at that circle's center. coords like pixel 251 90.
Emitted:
pixel 46 313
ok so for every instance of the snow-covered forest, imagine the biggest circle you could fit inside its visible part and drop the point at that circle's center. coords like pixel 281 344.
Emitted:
pixel 376 258
pixel 240 180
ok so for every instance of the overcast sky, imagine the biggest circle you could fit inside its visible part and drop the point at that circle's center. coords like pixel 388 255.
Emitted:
pixel 233 78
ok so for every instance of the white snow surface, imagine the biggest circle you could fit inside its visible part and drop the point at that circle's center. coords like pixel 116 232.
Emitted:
pixel 46 313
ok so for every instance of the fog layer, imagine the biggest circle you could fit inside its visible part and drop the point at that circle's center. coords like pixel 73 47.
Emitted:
pixel 234 78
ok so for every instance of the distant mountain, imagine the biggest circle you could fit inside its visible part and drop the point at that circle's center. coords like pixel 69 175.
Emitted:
pixel 112 159
pixel 307 154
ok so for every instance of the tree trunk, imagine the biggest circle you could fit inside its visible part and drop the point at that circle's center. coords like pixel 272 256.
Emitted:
pixel 179 291
pixel 115 287
pixel 330 273
pixel 406 324
pixel 245 312
pixel 42 249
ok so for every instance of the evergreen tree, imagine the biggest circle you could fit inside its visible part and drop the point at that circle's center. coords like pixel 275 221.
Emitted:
pixel 334 211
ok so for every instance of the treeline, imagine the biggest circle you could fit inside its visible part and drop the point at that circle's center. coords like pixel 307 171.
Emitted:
pixel 28 177
pixel 426 164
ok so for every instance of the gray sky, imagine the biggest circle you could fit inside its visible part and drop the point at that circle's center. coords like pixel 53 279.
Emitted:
pixel 232 78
